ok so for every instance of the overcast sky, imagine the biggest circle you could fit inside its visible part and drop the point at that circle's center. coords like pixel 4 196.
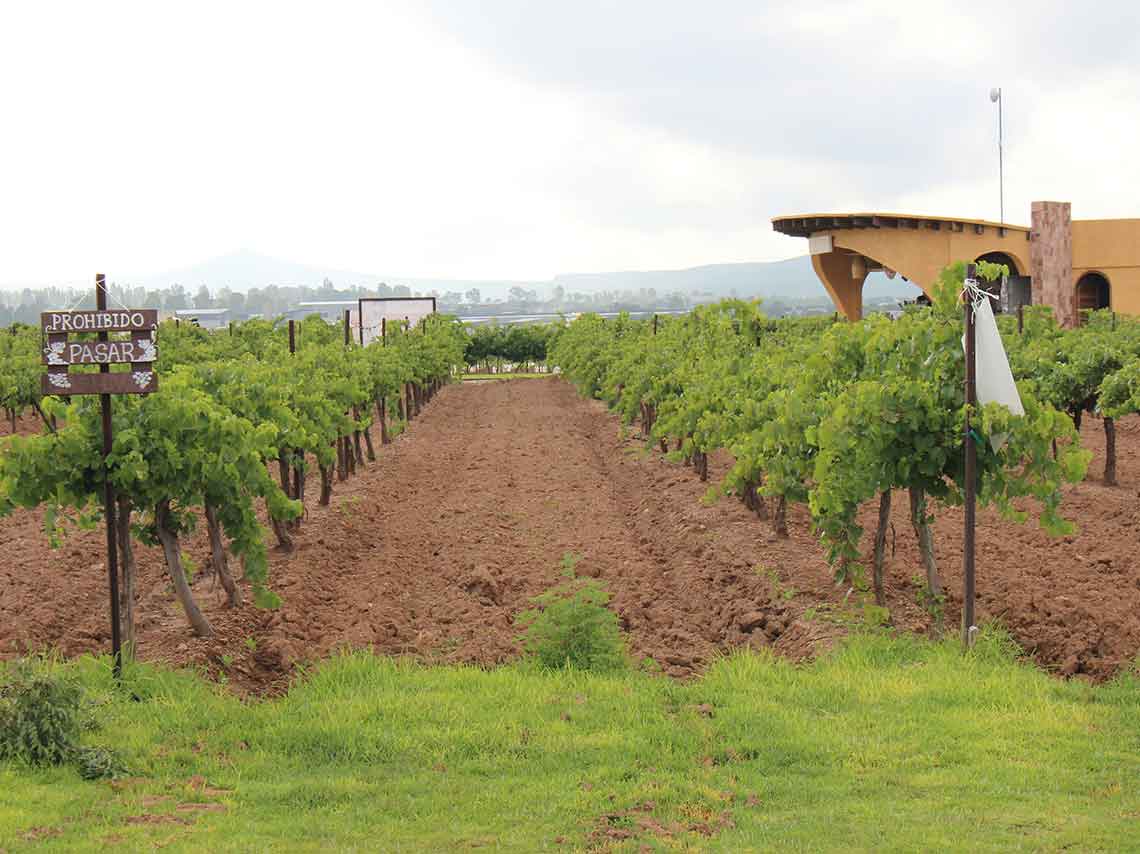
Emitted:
pixel 486 139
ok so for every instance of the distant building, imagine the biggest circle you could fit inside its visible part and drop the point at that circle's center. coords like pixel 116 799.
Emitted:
pixel 331 310
pixel 207 318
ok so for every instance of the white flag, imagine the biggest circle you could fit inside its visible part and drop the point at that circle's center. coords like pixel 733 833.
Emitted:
pixel 994 378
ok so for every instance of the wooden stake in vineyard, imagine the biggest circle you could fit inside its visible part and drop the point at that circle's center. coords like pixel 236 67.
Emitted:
pixel 969 630
pixel 141 351
pixel 109 497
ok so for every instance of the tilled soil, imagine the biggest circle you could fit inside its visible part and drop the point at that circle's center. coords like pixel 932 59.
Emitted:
pixel 434 549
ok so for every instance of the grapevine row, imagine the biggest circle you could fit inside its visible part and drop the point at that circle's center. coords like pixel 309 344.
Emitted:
pixel 231 405
pixel 832 415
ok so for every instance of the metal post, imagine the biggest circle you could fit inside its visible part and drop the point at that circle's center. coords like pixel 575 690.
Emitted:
pixel 109 499
pixel 1001 165
pixel 968 629
pixel 292 337
pixel 1021 320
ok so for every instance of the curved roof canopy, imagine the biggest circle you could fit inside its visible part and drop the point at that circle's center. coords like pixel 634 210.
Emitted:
pixel 804 225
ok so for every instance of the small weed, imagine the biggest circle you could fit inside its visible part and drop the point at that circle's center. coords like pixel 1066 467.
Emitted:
pixel 39 715
pixel 227 660
pixel 99 763
pixel 251 643
pixel 447 647
pixel 875 615
pixel 649 665
pixel 572 625
pixel 933 605
pixel 779 589
pixel 190 567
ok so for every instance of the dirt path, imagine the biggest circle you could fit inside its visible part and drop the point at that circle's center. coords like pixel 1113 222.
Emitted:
pixel 436 547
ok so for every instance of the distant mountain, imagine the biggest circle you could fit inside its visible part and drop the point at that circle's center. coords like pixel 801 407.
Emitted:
pixel 793 278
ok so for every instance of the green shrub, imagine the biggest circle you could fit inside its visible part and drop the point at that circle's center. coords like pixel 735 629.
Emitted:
pixel 572 627
pixel 39 715
pixel 97 763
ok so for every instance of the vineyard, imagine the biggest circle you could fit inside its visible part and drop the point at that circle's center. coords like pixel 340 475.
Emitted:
pixel 721 477
pixel 200 452
pixel 432 543
pixel 830 417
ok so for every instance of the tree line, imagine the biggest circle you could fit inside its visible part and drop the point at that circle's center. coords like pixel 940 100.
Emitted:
pixel 25 306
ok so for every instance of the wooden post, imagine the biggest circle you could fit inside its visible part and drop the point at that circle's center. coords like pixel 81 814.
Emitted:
pixel 292 337
pixel 655 324
pixel 1021 320
pixel 971 486
pixel 382 411
pixel 347 329
pixel 109 499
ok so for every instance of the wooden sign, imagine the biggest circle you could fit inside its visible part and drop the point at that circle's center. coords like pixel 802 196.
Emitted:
pixel 100 352
pixel 125 320
pixel 121 382
pixel 59 353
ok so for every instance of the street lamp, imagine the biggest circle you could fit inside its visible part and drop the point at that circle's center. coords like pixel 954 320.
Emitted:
pixel 995 98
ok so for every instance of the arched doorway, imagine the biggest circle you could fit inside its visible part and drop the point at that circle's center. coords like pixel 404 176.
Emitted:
pixel 1093 292
pixel 1000 258
pixel 1002 305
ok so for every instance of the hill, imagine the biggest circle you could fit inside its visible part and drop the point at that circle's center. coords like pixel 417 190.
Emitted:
pixel 792 278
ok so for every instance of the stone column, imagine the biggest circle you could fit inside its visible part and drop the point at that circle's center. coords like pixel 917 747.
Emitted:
pixel 1051 260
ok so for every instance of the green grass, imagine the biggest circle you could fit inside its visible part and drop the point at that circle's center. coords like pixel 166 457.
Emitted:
pixel 887 745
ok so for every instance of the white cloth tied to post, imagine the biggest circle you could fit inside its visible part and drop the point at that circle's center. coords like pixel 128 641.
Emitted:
pixel 994 380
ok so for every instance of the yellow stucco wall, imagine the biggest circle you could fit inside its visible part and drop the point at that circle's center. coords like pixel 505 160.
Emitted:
pixel 1110 247
pixel 921 254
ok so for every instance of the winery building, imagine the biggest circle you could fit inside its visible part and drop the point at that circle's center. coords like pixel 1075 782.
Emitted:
pixel 1071 265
